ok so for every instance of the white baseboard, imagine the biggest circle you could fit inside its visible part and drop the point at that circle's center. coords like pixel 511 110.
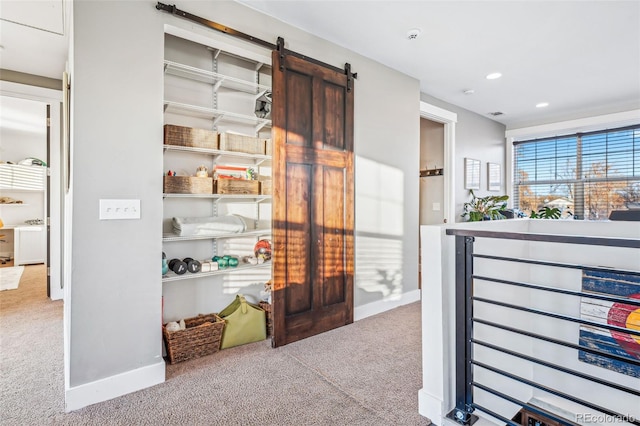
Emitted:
pixel 377 307
pixel 430 407
pixel 114 386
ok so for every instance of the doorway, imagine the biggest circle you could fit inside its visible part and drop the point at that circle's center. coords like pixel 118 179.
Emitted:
pixel 32 139
pixel 431 161
pixel 440 128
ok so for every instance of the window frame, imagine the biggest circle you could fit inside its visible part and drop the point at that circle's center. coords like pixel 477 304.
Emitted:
pixel 583 125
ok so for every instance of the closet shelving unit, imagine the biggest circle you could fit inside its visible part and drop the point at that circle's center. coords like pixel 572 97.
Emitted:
pixel 245 92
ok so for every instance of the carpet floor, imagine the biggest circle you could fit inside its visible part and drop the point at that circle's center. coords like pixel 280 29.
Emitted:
pixel 366 373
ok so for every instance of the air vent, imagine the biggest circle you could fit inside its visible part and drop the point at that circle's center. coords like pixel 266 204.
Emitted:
pixel 496 113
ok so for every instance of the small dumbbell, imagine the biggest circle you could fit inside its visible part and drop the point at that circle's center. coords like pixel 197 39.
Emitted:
pixel 178 266
pixel 193 266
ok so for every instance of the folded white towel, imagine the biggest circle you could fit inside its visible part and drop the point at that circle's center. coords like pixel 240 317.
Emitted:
pixel 187 226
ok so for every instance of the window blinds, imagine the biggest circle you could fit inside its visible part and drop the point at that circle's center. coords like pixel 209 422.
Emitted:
pixel 585 175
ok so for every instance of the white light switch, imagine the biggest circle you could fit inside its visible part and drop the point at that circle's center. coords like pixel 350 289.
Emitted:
pixel 436 207
pixel 119 209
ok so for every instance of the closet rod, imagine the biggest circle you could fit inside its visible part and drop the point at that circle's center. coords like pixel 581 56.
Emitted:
pixel 244 36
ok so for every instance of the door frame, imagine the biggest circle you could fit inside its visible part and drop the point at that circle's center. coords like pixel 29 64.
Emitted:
pixel 54 197
pixel 449 119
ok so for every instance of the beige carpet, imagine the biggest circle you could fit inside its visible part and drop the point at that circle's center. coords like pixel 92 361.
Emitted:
pixel 10 277
pixel 367 373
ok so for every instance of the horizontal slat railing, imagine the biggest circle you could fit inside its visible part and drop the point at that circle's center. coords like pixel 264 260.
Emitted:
pixel 465 341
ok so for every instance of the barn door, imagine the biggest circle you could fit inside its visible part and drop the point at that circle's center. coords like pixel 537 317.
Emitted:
pixel 313 210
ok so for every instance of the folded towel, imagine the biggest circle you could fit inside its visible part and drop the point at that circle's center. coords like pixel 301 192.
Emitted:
pixel 187 226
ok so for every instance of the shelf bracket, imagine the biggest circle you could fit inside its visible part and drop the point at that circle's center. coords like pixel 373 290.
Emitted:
pixel 261 125
pixel 216 52
pixel 218 84
pixel 217 119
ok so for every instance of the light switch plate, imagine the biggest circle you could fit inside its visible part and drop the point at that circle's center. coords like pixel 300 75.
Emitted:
pixel 119 209
pixel 436 207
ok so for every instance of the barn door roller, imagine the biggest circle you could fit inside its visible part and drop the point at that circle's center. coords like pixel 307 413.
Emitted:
pixel 244 36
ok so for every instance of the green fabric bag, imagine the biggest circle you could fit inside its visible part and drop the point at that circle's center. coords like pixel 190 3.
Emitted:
pixel 245 323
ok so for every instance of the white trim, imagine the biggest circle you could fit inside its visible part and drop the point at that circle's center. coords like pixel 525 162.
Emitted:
pixel 380 306
pixel 438 114
pixel 34 93
pixel 431 407
pixel 111 387
pixel 449 119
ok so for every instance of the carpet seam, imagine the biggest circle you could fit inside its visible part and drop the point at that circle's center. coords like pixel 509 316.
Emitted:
pixel 338 387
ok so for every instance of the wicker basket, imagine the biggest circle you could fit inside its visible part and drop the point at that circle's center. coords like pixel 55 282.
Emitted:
pixel 241 143
pixel 236 186
pixel 201 337
pixel 187 185
pixel 190 137
pixel 266 187
pixel 266 307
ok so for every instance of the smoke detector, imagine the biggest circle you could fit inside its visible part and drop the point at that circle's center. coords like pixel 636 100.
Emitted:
pixel 413 33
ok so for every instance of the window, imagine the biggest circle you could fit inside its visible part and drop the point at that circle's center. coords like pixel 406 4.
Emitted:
pixel 585 175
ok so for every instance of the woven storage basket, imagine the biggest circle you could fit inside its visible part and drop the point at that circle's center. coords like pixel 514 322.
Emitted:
pixel 201 337
pixel 266 187
pixel 187 185
pixel 236 186
pixel 241 143
pixel 190 137
pixel 266 307
pixel 268 147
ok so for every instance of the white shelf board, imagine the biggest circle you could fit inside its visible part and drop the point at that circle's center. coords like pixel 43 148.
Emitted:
pixel 172 276
pixel 234 197
pixel 213 78
pixel 215 114
pixel 174 237
pixel 258 158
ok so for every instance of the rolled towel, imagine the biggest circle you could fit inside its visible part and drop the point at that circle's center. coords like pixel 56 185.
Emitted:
pixel 230 224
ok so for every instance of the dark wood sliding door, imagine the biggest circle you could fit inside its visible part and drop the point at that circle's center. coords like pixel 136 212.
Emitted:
pixel 313 210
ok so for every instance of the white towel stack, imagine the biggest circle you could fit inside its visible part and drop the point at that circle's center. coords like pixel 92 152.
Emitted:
pixel 230 224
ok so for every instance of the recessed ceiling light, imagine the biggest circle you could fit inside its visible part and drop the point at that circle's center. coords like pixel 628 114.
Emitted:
pixel 413 33
pixel 494 75
pixel 542 105
pixel 469 92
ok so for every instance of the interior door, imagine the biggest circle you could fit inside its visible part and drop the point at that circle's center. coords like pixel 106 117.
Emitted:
pixel 313 207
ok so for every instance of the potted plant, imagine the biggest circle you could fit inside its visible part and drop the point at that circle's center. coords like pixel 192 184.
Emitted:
pixel 546 213
pixel 484 208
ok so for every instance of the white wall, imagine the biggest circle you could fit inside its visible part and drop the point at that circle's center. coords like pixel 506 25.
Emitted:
pixel 479 138
pixel 117 87
pixel 436 397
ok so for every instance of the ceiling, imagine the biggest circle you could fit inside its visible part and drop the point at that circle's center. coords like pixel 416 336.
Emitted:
pixel 582 57
pixel 34 36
